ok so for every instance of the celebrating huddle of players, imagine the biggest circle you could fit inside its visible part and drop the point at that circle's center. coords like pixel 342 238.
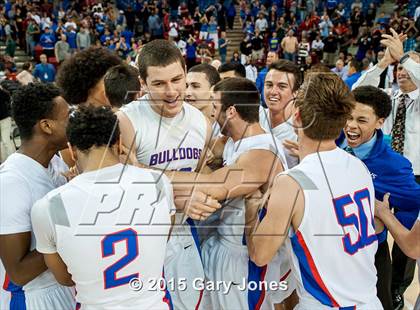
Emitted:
pixel 186 197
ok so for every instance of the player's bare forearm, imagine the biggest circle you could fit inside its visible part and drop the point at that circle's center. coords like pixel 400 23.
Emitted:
pixel 407 240
pixel 59 269
pixel 239 179
pixel 21 264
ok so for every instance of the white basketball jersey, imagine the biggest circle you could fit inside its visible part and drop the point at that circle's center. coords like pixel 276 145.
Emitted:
pixel 110 226
pixel 232 215
pixel 167 143
pixel 335 245
pixel 23 181
pixel 281 132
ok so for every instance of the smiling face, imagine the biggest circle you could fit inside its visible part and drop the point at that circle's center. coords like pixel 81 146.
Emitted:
pixel 403 78
pixel 198 90
pixel 278 90
pixel 362 125
pixel 166 87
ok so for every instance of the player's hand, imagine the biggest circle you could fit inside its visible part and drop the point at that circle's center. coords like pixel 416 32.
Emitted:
pixel 394 44
pixel 382 207
pixel 71 173
pixel 197 205
pixel 127 157
pixel 292 147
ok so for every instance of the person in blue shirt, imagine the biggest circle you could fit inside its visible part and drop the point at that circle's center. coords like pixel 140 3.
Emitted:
pixel 354 72
pixel 47 41
pixel 391 172
pixel 71 38
pixel 44 71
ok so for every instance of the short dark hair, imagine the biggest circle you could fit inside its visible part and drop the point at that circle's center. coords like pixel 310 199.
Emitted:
pixel 233 66
pixel 288 66
pixel 158 53
pixel 325 104
pixel 92 126
pixel 374 97
pixel 356 64
pixel 211 73
pixel 81 72
pixel 242 94
pixel 30 104
pixel 26 66
pixel 121 84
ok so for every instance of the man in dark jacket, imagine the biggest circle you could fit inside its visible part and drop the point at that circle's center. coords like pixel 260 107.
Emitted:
pixel 391 172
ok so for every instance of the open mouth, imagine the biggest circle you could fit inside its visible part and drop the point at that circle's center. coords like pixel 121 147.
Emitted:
pixel 352 136
pixel 172 102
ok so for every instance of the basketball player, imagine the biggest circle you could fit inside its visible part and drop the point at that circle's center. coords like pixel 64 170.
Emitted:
pixel 225 255
pixel 200 80
pixel 129 222
pixel 282 81
pixel 328 201
pixel 80 77
pixel 41 115
pixel 166 133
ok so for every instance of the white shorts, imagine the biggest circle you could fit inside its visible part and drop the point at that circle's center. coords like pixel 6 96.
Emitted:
pixel 4 299
pixel 229 264
pixel 279 270
pixel 183 264
pixel 312 304
pixel 55 297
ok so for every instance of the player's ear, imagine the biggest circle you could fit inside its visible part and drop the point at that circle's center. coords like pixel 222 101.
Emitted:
pixel 46 126
pixel 231 112
pixel 143 86
pixel 379 123
pixel 72 151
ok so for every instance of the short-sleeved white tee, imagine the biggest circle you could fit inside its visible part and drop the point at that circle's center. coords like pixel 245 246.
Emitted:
pixel 22 182
pixel 108 226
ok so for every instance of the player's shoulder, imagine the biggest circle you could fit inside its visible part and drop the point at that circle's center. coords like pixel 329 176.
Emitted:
pixel 140 105
pixel 192 111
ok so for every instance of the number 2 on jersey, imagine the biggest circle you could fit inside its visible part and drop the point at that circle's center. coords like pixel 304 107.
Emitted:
pixel 359 220
pixel 129 236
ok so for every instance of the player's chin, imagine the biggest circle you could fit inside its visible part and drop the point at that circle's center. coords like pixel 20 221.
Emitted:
pixel 172 108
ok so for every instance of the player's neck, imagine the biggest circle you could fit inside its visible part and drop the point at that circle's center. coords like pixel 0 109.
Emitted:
pixel 245 130
pixel 96 159
pixel 308 146
pixel 38 150
pixel 279 117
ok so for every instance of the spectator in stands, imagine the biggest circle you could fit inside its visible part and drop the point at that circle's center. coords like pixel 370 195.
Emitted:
pixel 62 49
pixel 32 31
pixel 251 70
pixel 83 38
pixel 44 71
pixel 330 49
pixel 290 46
pixel 25 76
pixel 47 42
pixel 235 58
pixel 274 43
pixel 223 43
pixel 339 68
pixel 354 73
pixel 245 48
